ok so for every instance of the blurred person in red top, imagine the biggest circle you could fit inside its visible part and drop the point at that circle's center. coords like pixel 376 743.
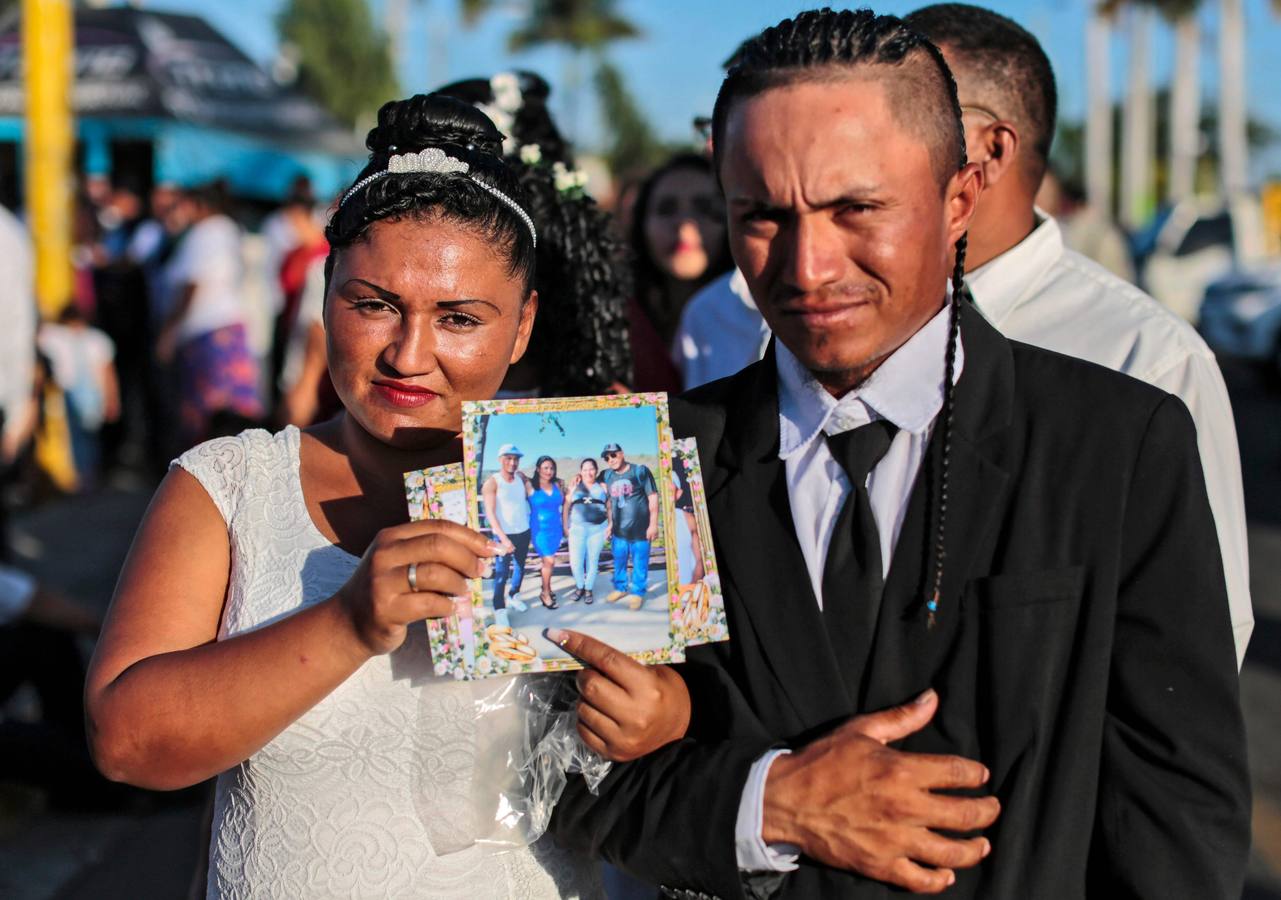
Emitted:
pixel 307 251
pixel 679 244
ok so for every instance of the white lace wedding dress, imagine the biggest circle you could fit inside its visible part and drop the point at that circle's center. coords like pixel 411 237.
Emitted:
pixel 351 799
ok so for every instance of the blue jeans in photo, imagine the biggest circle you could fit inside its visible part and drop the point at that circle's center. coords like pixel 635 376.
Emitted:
pixel 510 566
pixel 585 544
pixel 638 553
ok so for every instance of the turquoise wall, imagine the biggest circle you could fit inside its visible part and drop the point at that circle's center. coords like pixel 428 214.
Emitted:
pixel 190 154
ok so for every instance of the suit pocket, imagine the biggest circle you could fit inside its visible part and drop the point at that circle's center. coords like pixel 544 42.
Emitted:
pixel 1025 589
pixel 1025 625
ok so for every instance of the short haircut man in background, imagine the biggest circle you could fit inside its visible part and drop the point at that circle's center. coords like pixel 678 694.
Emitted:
pixel 1033 289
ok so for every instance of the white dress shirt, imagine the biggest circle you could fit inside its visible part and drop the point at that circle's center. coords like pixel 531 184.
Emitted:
pixel 1043 294
pixel 721 332
pixel 906 389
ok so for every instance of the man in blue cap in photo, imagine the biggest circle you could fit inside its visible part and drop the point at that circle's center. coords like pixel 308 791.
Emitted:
pixel 506 500
pixel 633 521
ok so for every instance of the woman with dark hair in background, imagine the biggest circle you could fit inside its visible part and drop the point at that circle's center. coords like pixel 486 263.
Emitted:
pixel 546 501
pixel 265 608
pixel 580 340
pixel 679 244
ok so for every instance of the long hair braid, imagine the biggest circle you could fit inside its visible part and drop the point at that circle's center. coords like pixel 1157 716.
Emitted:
pixel 956 305
pixel 949 403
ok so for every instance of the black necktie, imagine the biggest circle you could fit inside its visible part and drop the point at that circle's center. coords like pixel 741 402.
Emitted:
pixel 852 578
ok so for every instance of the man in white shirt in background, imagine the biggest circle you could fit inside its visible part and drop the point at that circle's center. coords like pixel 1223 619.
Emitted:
pixel 1033 289
pixel 721 332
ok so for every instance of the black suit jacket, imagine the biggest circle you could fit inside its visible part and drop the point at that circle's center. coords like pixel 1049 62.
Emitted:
pixel 1083 650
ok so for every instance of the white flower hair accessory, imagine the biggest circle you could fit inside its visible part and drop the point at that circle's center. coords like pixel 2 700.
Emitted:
pixel 508 100
pixel 504 122
pixel 531 154
pixel 505 86
pixel 435 161
pixel 568 181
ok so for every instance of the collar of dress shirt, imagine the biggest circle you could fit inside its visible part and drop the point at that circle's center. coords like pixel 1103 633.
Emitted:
pixel 738 287
pixel 907 389
pixel 1001 284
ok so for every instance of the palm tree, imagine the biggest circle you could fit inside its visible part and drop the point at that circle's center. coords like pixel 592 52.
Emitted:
pixel 578 25
pixel 1233 160
pixel 396 18
pixel 1138 123
pixel 1098 127
pixel 1185 96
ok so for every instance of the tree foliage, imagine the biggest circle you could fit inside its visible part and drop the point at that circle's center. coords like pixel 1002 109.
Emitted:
pixel 577 24
pixel 1068 151
pixel 631 145
pixel 580 26
pixel 1171 10
pixel 344 59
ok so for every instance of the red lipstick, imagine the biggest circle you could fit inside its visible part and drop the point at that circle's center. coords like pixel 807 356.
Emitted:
pixel 398 393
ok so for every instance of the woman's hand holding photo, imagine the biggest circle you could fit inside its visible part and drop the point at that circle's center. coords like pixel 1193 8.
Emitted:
pixel 410 572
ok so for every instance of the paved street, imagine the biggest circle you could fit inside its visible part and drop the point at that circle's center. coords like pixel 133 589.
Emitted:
pixel 150 848
pixel 615 623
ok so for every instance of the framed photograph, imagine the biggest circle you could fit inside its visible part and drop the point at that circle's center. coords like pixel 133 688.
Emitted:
pixel 579 495
pixel 702 607
pixel 439 494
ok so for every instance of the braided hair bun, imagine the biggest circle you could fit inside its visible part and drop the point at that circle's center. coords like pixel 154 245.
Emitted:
pixel 430 120
pixel 464 198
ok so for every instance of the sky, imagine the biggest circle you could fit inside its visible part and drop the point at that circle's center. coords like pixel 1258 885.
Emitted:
pixel 674 68
pixel 586 432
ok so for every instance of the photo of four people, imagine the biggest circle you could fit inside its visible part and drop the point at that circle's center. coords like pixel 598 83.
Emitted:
pixel 572 498
pixel 618 509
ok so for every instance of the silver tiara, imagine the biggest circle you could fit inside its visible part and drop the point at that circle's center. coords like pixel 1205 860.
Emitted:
pixel 434 160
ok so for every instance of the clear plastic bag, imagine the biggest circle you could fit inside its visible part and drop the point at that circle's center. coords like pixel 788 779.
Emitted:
pixel 527 748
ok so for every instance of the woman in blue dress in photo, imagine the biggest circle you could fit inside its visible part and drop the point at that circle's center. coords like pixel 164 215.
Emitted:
pixel 546 500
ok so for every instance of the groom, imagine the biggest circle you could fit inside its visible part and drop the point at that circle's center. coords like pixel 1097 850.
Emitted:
pixel 980 639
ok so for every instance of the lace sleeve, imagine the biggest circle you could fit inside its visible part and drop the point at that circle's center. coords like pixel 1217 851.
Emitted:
pixel 221 467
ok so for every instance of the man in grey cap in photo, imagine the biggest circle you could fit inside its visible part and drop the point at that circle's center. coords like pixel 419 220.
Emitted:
pixel 633 522
pixel 506 499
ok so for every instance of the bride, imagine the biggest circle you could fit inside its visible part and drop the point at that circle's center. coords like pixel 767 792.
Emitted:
pixel 267 628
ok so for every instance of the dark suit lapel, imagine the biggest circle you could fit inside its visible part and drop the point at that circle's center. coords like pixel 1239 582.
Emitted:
pixel 760 557
pixel 907 653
